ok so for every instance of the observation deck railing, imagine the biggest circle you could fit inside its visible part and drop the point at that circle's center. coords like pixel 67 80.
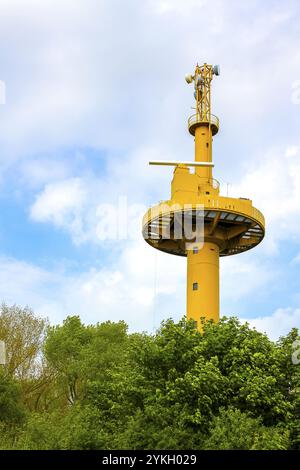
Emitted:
pixel 196 119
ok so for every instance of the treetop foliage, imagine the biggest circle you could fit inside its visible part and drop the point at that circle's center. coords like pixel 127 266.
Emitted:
pixel 76 386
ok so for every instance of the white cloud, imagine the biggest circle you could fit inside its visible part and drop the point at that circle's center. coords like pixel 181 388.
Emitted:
pixel 128 291
pixel 179 7
pixel 90 208
pixel 57 199
pixel 37 172
pixel 82 68
pixel 278 324
pixel 273 182
pixel 296 259
pixel 25 284
pixel 292 151
pixel 61 203
pixel 242 275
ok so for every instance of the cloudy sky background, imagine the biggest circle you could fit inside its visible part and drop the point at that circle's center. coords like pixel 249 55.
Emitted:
pixel 94 90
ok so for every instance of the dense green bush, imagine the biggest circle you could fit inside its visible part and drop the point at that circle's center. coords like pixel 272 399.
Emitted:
pixel 100 387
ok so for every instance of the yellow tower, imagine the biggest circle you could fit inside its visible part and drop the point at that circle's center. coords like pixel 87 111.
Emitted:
pixel 196 221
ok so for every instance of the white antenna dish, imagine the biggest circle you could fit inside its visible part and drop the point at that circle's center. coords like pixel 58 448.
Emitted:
pixel 216 70
pixel 188 78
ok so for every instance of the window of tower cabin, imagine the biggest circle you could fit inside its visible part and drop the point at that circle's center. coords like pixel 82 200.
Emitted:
pixel 195 286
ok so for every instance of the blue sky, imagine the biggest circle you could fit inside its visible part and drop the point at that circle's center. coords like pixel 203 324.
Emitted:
pixel 94 90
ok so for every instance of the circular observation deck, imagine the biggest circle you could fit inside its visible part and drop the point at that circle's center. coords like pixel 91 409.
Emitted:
pixel 196 120
pixel 234 225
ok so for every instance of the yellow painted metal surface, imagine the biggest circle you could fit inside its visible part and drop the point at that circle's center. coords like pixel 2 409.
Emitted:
pixel 203 149
pixel 203 283
pixel 231 225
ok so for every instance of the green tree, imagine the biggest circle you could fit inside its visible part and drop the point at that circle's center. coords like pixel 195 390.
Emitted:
pixel 229 387
pixel 23 333
pixel 11 407
pixel 189 377
pixel 79 353
pixel 234 430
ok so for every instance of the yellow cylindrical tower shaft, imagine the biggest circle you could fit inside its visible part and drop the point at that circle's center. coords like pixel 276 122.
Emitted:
pixel 203 283
pixel 203 150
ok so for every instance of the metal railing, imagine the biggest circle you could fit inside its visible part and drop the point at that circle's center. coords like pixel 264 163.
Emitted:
pixel 197 119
